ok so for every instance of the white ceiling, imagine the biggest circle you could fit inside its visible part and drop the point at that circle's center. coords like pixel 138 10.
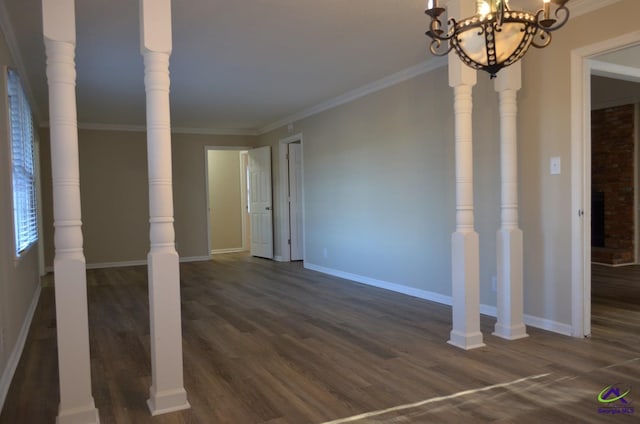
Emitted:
pixel 237 65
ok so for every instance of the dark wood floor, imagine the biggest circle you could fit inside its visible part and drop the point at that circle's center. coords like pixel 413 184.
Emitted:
pixel 268 342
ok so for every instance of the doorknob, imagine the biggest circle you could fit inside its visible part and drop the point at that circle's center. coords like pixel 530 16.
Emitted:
pixel 268 208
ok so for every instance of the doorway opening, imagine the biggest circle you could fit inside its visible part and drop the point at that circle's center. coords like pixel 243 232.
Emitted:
pixel 591 202
pixel 228 223
pixel 615 208
pixel 291 199
pixel 614 166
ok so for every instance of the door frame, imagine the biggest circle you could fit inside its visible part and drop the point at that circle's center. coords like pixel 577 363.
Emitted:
pixel 283 186
pixel 206 188
pixel 582 67
pixel 244 201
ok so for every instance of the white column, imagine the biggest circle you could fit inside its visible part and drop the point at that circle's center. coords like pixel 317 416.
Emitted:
pixel 74 367
pixel 465 291
pixel 167 393
pixel 510 323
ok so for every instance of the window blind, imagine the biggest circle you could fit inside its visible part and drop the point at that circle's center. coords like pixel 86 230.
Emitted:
pixel 23 172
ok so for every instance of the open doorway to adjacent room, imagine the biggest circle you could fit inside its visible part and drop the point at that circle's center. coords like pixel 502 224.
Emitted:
pixel 615 179
pixel 229 227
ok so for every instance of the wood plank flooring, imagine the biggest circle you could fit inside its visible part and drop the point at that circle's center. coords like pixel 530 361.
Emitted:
pixel 268 342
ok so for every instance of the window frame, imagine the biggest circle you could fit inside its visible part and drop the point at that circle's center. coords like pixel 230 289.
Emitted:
pixel 23 164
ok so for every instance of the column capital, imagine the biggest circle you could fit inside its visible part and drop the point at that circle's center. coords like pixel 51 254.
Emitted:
pixel 509 78
pixel 459 73
pixel 155 26
pixel 59 20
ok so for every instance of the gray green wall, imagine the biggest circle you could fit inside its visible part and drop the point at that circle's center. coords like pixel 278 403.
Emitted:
pixel 19 277
pixel 378 176
pixel 114 189
pixel 379 185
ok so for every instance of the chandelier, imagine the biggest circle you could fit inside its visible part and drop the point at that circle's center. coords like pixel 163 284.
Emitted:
pixel 495 36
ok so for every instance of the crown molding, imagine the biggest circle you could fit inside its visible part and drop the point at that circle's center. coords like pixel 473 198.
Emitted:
pixel 581 7
pixel 215 131
pixel 615 103
pixel 615 71
pixel 9 35
pixel 577 8
pixel 174 130
pixel 349 96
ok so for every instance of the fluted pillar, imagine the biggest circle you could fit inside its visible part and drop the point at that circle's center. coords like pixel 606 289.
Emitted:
pixel 510 322
pixel 465 255
pixel 167 393
pixel 74 368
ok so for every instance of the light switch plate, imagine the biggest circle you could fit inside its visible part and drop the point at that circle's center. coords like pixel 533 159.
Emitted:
pixel 554 165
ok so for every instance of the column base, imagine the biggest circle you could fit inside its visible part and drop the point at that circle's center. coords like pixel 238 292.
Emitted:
pixel 167 401
pixel 88 415
pixel 514 332
pixel 466 341
pixel 465 291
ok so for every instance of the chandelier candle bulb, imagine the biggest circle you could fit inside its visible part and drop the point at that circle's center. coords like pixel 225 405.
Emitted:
pixel 483 8
pixel 546 5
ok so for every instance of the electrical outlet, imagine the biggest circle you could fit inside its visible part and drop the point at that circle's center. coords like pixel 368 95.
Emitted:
pixel 494 283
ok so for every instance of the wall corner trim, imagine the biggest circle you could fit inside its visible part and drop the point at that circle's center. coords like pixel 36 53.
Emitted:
pixel 16 353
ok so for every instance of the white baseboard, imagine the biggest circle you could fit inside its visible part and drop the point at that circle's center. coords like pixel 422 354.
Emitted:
pixel 100 265
pixel 547 324
pixel 488 310
pixel 614 265
pixel 279 259
pixel 122 264
pixel 231 250
pixel 195 259
pixel 16 353
pixel 533 321
pixel 398 288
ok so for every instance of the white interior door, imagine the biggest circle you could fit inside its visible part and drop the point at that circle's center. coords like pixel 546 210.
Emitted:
pixel 295 200
pixel 260 207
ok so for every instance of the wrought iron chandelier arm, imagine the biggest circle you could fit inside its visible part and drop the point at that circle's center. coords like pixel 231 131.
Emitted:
pixel 542 39
pixel 550 24
pixel 437 33
pixel 434 48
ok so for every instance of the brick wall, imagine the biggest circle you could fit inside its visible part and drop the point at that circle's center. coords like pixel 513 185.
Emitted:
pixel 613 162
